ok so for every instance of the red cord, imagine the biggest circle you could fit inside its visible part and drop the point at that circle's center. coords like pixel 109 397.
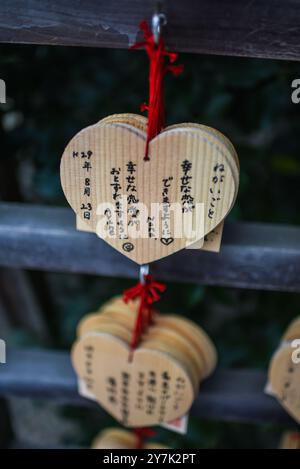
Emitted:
pixel 141 434
pixel 149 293
pixel 158 68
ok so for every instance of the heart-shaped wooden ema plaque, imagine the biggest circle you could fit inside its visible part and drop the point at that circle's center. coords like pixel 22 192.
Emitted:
pixel 284 379
pixel 108 183
pixel 151 389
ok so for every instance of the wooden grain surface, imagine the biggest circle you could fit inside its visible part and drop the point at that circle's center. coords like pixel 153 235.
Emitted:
pixel 114 364
pixel 257 28
pixel 229 395
pixel 109 185
pixel 253 255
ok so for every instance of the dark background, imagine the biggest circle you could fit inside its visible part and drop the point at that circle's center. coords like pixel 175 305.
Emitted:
pixel 53 92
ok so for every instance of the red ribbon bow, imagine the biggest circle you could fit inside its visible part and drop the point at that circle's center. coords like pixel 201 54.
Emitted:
pixel 149 292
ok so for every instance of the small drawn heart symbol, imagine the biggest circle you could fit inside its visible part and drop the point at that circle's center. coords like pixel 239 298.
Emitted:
pixel 167 241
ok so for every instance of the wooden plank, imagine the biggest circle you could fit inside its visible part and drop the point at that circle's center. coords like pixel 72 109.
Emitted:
pixel 253 255
pixel 229 395
pixel 16 296
pixel 260 28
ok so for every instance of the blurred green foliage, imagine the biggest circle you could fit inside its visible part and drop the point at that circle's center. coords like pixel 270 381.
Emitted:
pixel 54 91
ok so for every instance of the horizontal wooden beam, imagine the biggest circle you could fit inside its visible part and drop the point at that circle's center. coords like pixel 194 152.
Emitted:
pixel 229 395
pixel 260 28
pixel 253 255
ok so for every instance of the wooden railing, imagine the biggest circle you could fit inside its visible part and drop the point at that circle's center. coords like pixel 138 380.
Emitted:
pixel 229 395
pixel 253 255
pixel 260 28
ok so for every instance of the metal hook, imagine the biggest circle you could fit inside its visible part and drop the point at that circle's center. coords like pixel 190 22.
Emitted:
pixel 158 21
pixel 144 270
